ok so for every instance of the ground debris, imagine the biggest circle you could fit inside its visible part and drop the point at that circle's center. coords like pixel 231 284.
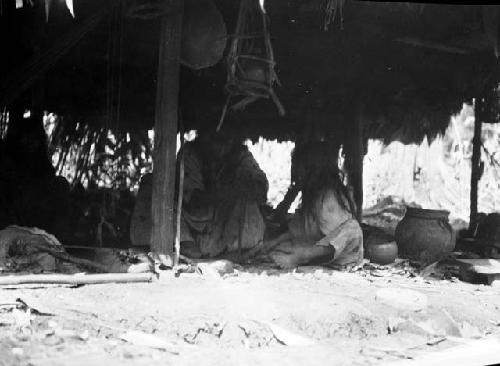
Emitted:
pixel 228 319
pixel 233 335
pixel 148 340
pixel 20 304
pixel 475 352
pixel 228 333
pixel 19 314
pixel 401 268
pixel 216 269
pixel 437 323
pixel 214 329
pixel 391 344
pixel 403 299
pixel 289 338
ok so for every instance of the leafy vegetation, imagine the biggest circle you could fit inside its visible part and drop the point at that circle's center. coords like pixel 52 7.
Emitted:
pixel 432 175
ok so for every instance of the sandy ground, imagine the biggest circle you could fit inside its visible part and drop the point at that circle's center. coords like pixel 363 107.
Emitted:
pixel 230 320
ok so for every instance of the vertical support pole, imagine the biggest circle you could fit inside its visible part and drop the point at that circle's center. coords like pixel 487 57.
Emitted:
pixel 355 152
pixel 180 194
pixel 358 157
pixel 166 118
pixel 476 158
pixel 38 86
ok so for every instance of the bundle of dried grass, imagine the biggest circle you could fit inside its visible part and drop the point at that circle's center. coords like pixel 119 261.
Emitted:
pixel 331 8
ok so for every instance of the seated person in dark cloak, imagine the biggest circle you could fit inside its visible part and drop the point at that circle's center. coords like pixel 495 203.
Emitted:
pixel 30 192
pixel 323 231
pixel 223 190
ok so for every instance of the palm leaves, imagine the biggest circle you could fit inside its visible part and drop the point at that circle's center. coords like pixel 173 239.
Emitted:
pixel 98 156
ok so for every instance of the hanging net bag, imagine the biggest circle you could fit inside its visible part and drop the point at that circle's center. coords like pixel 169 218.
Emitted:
pixel 250 61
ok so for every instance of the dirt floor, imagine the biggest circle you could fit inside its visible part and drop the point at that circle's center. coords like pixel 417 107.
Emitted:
pixel 248 317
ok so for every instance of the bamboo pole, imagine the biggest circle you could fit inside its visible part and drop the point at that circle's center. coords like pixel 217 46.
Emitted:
pixel 355 153
pixel 166 130
pixel 76 279
pixel 180 195
pixel 476 158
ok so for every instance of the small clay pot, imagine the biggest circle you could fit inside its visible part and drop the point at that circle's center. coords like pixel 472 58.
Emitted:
pixel 384 253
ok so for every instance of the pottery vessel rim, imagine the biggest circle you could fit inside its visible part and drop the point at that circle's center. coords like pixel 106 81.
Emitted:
pixel 426 213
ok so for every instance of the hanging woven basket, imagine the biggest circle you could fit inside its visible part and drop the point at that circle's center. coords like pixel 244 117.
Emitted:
pixel 252 76
pixel 250 61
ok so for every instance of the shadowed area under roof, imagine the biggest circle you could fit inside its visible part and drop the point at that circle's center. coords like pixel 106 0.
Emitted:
pixel 407 68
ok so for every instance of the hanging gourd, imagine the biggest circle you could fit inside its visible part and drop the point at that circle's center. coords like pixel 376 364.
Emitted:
pixel 250 61
pixel 203 29
pixel 204 35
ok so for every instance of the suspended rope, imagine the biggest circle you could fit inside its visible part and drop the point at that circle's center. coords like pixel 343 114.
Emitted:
pixel 250 61
pixel 109 73
pixel 114 67
pixel 120 62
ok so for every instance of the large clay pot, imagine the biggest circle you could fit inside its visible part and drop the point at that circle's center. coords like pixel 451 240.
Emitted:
pixel 424 235
pixel 383 253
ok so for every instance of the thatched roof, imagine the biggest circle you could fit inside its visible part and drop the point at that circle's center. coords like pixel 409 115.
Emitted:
pixel 407 68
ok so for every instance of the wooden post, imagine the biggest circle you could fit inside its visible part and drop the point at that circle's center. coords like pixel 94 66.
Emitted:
pixel 39 43
pixel 167 94
pixel 476 158
pixel 355 152
pixel 358 157
pixel 180 194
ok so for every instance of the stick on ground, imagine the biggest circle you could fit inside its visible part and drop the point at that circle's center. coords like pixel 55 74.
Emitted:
pixel 75 260
pixel 78 279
